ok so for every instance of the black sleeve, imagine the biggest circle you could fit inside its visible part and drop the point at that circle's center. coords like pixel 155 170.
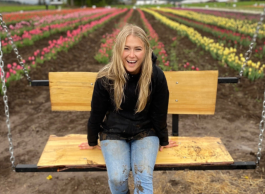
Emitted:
pixel 99 106
pixel 159 108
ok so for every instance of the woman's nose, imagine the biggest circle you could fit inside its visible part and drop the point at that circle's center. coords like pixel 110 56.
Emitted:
pixel 131 53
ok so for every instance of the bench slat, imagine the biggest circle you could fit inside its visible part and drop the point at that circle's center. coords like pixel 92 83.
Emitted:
pixel 64 151
pixel 195 91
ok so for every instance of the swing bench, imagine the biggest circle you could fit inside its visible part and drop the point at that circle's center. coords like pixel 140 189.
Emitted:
pixel 190 93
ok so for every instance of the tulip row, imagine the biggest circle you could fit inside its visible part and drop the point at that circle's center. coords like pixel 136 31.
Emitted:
pixel 241 26
pixel 105 52
pixel 55 46
pixel 226 14
pixel 29 37
pixel 16 17
pixel 218 51
pixel 222 34
pixel 19 28
pixel 157 46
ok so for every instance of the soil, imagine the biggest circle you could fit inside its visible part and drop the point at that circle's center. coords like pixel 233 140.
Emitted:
pixel 236 122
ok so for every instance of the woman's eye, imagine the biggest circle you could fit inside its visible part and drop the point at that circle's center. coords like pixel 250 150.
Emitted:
pixel 126 48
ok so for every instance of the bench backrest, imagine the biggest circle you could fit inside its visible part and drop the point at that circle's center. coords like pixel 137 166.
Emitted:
pixel 191 92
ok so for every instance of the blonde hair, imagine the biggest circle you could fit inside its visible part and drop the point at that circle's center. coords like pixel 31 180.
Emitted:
pixel 116 73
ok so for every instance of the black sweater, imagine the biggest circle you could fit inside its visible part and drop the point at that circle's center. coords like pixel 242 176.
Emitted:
pixel 125 124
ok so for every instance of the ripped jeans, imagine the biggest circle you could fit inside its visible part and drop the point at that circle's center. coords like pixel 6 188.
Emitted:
pixel 121 156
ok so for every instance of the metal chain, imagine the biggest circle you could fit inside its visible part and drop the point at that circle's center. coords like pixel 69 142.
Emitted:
pixel 9 135
pixel 249 52
pixel 261 128
pixel 247 57
pixel 19 58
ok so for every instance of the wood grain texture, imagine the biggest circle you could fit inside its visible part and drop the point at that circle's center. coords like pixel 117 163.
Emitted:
pixel 64 151
pixel 192 92
pixel 71 91
pixel 195 91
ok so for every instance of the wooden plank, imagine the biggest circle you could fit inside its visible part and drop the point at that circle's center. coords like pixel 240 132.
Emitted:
pixel 71 91
pixel 64 151
pixel 191 92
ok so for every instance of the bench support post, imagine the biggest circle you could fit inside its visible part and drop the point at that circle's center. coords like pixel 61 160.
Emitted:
pixel 175 125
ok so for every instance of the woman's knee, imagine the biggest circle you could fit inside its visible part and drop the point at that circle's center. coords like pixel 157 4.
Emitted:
pixel 119 178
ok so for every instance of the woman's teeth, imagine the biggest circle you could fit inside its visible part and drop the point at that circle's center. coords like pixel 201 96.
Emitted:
pixel 131 62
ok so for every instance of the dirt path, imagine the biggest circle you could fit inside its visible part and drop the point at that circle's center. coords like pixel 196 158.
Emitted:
pixel 235 121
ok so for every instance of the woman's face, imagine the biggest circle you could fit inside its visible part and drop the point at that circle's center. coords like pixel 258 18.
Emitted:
pixel 133 54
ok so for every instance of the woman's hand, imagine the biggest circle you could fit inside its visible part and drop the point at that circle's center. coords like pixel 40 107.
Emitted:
pixel 85 146
pixel 170 145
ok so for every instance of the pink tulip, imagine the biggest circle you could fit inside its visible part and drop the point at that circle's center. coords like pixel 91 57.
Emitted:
pixel 192 67
pixel 185 66
pixel 9 66
pixel 197 69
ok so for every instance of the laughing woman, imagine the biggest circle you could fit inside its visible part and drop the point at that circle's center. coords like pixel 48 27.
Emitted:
pixel 129 113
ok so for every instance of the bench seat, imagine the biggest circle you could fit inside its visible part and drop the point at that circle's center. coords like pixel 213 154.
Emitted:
pixel 64 151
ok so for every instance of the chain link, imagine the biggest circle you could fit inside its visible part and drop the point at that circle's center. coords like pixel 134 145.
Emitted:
pixel 19 58
pixel 249 52
pixel 9 135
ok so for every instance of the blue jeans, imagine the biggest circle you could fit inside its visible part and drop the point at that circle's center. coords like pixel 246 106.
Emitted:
pixel 121 156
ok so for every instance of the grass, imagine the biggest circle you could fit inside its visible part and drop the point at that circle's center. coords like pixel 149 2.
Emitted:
pixel 249 5
pixel 14 8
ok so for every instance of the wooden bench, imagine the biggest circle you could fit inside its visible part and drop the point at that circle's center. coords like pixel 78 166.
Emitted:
pixel 191 92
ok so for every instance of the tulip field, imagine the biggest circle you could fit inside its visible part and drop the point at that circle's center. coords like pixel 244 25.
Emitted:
pixel 81 40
